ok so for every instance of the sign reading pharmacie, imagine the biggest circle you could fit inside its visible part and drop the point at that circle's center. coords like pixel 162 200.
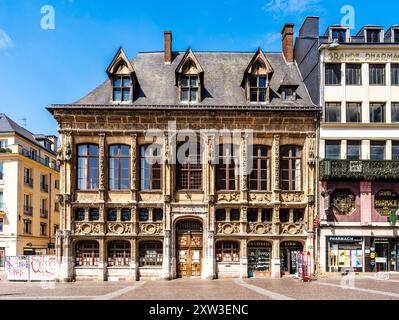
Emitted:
pixel 361 56
pixel 386 202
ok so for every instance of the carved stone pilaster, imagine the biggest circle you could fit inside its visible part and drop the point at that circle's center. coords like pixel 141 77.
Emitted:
pixel 101 159
pixel 133 153
pixel 276 158
pixel 244 161
pixel 311 141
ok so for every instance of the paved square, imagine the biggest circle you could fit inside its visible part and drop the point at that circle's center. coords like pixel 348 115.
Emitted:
pixel 363 287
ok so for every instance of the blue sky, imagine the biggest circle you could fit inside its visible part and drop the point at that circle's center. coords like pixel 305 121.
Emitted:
pixel 40 67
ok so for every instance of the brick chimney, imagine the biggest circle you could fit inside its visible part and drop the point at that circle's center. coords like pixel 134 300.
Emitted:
pixel 168 46
pixel 288 37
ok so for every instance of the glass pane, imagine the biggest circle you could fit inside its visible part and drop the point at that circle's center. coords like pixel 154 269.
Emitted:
pixel 126 82
pixel 126 214
pixel 117 81
pixel 193 95
pixel 157 214
pixel 143 214
pixel 253 81
pixel 113 151
pixel 395 150
pixel 333 150
pixel 94 215
pixel 82 150
pixel 111 215
pixel 184 94
pixel 126 95
pixel 117 95
pixel 220 215
pixel 262 95
pixel 184 81
pixel 262 82
pixel 395 112
pixel 377 150
pixel 353 150
pixel 193 81
pixel 125 151
pixel 234 215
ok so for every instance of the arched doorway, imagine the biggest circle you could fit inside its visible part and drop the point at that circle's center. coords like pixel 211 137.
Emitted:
pixel 259 258
pixel 189 248
pixel 288 255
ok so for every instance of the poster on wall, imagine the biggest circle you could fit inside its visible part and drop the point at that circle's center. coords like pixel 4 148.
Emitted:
pixel 17 268
pixel 42 268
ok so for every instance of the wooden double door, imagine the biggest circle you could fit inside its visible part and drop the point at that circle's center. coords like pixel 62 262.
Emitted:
pixel 189 253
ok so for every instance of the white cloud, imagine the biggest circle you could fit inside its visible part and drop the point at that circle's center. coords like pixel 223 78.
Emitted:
pixel 271 41
pixel 283 8
pixel 5 40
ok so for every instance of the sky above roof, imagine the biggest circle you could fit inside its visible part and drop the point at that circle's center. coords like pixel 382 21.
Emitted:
pixel 40 66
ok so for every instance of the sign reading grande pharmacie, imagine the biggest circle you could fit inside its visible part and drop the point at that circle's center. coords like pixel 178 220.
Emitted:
pixel 386 201
pixel 364 56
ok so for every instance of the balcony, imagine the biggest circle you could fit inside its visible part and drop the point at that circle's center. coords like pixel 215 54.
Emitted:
pixel 44 187
pixel 28 210
pixel 43 213
pixel 28 182
pixel 43 161
pixel 367 170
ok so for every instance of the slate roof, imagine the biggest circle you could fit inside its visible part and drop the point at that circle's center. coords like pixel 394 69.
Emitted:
pixel 222 84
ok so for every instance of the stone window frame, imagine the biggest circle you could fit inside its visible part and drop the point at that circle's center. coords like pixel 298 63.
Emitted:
pixel 190 169
pixel 119 158
pixel 291 167
pixel 154 160
pixel 258 148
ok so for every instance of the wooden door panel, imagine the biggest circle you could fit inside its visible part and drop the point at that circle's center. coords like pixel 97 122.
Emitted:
pixel 189 255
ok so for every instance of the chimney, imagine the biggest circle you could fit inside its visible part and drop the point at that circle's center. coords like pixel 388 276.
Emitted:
pixel 168 46
pixel 288 37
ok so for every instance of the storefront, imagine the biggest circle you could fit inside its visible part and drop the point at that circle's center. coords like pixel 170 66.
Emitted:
pixel 381 254
pixel 289 251
pixel 259 258
pixel 345 254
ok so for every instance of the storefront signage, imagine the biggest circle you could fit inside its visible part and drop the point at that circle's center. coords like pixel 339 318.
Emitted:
pixel 386 201
pixel 381 260
pixel 259 244
pixel 350 56
pixel 290 244
pixel 346 239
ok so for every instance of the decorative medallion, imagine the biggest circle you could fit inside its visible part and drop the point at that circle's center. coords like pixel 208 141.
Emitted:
pixel 259 228
pixel 342 202
pixel 228 228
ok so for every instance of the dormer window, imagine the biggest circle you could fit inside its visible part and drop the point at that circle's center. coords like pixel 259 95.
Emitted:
pixel 189 88
pixel 395 35
pixel 122 77
pixel 338 34
pixel 122 88
pixel 373 35
pixel 189 77
pixel 256 78
pixel 257 86
pixel 288 93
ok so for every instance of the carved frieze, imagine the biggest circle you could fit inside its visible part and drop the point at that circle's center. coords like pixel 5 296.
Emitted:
pixel 228 227
pixel 292 197
pixel 120 227
pixel 262 197
pixel 229 197
pixel 292 228
pixel 259 227
pixel 151 228
pixel 88 228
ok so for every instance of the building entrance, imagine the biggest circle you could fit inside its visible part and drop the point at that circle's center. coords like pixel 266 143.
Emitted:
pixel 288 255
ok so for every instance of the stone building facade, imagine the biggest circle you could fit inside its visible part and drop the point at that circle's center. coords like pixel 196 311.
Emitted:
pixel 130 208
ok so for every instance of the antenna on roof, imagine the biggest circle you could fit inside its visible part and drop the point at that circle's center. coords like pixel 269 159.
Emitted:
pixel 24 121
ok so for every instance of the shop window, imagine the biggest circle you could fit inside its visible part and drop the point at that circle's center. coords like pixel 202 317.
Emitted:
pixel 267 215
pixel 143 215
pixel 80 214
pixel 284 215
pixel 227 251
pixel 126 214
pixel 111 216
pixel 157 214
pixel 94 215
pixel 87 253
pixel 252 214
pixel 259 258
pixel 119 253
pixel 220 215
pixel 150 253
pixel 234 215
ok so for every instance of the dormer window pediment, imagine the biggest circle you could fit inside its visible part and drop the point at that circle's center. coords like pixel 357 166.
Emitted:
pixel 122 77
pixel 189 78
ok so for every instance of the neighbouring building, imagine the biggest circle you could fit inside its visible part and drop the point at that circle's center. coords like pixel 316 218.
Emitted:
pixel 29 181
pixel 355 78
pixel 129 210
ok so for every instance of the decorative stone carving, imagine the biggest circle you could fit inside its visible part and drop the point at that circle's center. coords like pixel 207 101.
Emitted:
pixel 87 228
pixel 67 198
pixel 166 147
pixel 59 198
pixel 276 159
pixel 291 228
pixel 167 198
pixel 133 153
pixel 292 197
pixel 64 153
pixel 259 227
pixel 230 197
pixel 228 227
pixel 212 199
pixel 264 197
pixel 311 149
pixel 151 228
pixel 244 162
pixel 120 228
pixel 101 161
pixel 342 202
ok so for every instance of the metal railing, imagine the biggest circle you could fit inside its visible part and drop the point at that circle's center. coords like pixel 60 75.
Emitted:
pixel 44 187
pixel 28 181
pixel 43 161
pixel 368 170
pixel 28 210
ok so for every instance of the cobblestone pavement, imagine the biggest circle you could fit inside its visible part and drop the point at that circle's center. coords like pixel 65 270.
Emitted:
pixel 363 287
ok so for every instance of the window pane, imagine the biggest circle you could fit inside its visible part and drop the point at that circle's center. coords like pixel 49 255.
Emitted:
pixel 395 112
pixel 82 150
pixel 126 82
pixel 284 215
pixel 117 81
pixel 126 94
pixel 262 95
pixel 333 149
pixel 339 34
pixel 220 215
pixel 184 94
pixel 254 95
pixel 353 74
pixel 184 81
pixel 353 150
pixel 126 214
pixel 377 74
pixel 395 150
pixel 157 214
pixel 94 215
pixel 193 81
pixel 193 95
pixel 333 112
pixel 333 74
pixel 377 113
pixel 353 112
pixel 262 82
pixel 111 215
pixel 117 95
pixel 395 74
pixel 253 81
pixel 377 150
pixel 143 215
pixel 373 35
pixel 234 215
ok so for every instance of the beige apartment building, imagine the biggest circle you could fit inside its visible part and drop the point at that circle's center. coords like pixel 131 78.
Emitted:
pixel 29 182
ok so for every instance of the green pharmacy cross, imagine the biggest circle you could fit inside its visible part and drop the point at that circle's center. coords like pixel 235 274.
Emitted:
pixel 393 218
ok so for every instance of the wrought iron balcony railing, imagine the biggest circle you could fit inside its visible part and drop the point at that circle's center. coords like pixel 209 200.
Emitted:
pixel 367 170
pixel 44 187
pixel 28 181
pixel 43 161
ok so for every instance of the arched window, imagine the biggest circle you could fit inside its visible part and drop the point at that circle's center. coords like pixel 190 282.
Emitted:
pixel 227 251
pixel 87 167
pixel 119 167
pixel 118 253
pixel 227 173
pixel 150 253
pixel 189 166
pixel 150 167
pixel 87 253
pixel 259 178
pixel 291 168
